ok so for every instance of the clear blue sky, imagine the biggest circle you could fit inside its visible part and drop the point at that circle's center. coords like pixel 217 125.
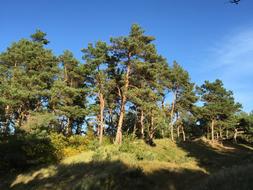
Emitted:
pixel 210 38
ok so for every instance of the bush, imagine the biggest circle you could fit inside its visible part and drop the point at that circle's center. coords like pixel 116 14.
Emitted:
pixel 127 145
pixel 68 146
pixel 22 152
pixel 105 153
pixel 145 155
pixel 59 142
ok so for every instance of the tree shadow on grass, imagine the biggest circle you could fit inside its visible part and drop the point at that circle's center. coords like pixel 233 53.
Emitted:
pixel 213 159
pixel 107 175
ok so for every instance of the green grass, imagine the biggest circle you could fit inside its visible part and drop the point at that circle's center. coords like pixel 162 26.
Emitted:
pixel 136 165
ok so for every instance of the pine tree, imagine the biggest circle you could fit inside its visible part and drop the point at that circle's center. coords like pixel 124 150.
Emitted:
pixel 127 50
pixel 181 88
pixel 145 89
pixel 28 70
pixel 219 103
pixel 68 94
pixel 97 60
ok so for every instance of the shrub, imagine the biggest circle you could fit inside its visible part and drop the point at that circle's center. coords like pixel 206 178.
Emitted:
pixel 145 155
pixel 59 142
pixel 68 146
pixel 22 152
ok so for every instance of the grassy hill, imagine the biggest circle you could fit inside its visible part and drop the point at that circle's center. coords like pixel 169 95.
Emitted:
pixel 168 165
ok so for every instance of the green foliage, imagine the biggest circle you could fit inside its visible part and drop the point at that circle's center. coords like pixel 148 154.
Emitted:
pixel 39 122
pixel 143 155
pixel 39 37
pixel 68 146
pixel 55 107
pixel 26 151
pixel 30 150
pixel 216 98
pixel 123 85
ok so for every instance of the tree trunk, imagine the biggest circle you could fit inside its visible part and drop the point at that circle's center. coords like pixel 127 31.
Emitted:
pixel 235 135
pixel 78 129
pixel 97 131
pixel 134 130
pixel 142 124
pixel 101 119
pixel 221 134
pixel 171 117
pixel 208 132
pixel 178 132
pixel 212 131
pixel 69 127
pixel 152 127
pixel 151 131
pixel 226 133
pixel 183 133
pixel 118 139
pixel 110 118
pixel 6 123
pixel 65 74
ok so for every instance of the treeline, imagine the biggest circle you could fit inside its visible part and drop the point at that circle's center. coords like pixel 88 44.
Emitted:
pixel 124 87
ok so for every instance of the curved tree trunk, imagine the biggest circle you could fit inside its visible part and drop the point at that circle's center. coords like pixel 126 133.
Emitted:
pixel 118 139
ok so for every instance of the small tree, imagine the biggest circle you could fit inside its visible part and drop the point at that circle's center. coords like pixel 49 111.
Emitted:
pixel 97 60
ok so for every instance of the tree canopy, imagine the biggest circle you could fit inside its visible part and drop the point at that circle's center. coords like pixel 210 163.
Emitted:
pixel 121 87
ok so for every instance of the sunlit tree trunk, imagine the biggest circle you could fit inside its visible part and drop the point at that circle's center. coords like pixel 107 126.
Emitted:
pixel 172 116
pixel 226 133
pixel 69 127
pixel 235 135
pixel 151 130
pixel 142 124
pixel 178 131
pixel 6 122
pixel 118 139
pixel 101 119
pixel 183 134
pixel 212 130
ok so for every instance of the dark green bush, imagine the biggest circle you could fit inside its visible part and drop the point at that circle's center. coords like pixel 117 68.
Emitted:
pixel 23 152
pixel 20 152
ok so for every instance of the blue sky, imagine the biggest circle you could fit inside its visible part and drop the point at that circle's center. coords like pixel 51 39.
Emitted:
pixel 209 38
